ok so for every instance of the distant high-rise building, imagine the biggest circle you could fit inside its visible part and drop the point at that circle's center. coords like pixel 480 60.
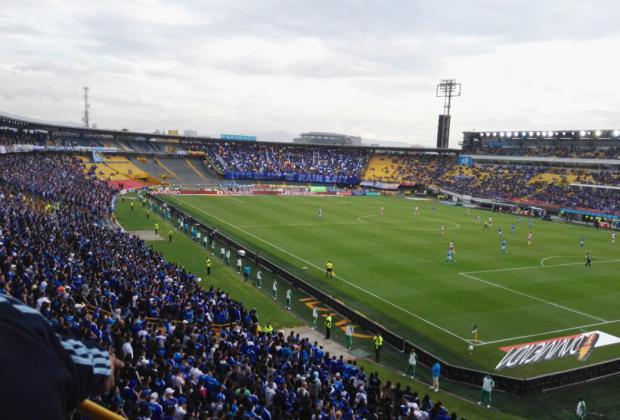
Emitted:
pixel 331 139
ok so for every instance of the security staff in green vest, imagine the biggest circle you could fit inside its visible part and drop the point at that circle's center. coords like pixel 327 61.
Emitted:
pixel 268 329
pixel 156 229
pixel 208 266
pixel 378 342
pixel 328 327
pixel 170 236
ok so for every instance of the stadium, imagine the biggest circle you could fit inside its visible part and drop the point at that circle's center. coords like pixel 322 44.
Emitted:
pixel 170 275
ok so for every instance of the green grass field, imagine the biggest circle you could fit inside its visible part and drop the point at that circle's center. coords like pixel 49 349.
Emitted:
pixel 392 268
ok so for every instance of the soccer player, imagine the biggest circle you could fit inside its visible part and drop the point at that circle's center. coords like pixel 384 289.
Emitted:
pixel 131 204
pixel 288 299
pixel 315 316
pixel 259 279
pixel 504 246
pixel 474 333
pixel 442 230
pixel 529 222
pixel 530 238
pixel 582 241
pixel 490 221
pixel 487 388
pixel 450 257
pixel 500 231
pixel 451 246
pixel 581 409
pixel 513 228
pixel 613 237
pixel 381 210
pixel 417 211
pixel 148 214
pixel 588 262
pixel 329 269
pixel 413 361
pixel 274 289
pixel 320 213
pixel 239 264
pixel 348 332
pixel 486 225
pixel 478 221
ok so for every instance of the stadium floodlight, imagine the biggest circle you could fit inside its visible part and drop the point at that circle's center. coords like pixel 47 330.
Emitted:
pixel 563 133
pixel 582 133
pixel 616 133
pixel 494 134
pixel 502 134
pixel 597 133
pixel 523 133
pixel 538 134
pixel 531 134
pixel 509 134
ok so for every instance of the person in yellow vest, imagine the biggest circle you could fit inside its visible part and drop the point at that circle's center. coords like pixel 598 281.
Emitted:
pixel 268 329
pixel 378 342
pixel 208 266
pixel 131 205
pixel 170 236
pixel 328 326
pixel 156 229
pixel 329 269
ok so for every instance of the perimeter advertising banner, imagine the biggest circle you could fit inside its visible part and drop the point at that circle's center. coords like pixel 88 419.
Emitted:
pixel 579 346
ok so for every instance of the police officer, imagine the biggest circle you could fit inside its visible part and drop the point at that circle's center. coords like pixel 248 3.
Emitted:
pixel 378 342
pixel 328 326
pixel 208 266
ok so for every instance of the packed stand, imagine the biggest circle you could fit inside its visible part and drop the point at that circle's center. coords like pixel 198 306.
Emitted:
pixel 101 285
pixel 237 160
pixel 564 151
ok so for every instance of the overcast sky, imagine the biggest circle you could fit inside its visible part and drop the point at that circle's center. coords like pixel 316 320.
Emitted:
pixel 278 68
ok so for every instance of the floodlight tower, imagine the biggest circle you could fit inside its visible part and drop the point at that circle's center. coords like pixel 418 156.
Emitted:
pixel 85 118
pixel 447 88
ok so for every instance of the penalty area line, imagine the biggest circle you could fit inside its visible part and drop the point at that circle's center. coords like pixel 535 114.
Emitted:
pixel 557 305
pixel 338 277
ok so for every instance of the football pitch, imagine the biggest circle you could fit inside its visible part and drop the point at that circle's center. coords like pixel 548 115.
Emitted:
pixel 393 269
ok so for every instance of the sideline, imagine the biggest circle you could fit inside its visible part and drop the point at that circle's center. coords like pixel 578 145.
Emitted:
pixel 321 269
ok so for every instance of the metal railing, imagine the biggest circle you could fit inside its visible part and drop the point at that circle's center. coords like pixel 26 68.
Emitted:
pixel 449 371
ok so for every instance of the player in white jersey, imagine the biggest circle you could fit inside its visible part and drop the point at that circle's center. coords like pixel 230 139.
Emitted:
pixel 381 210
pixel 320 213
pixel 613 237
pixel 417 211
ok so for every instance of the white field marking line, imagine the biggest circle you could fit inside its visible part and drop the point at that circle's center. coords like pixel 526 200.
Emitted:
pixel 557 305
pixel 542 262
pixel 536 266
pixel 339 277
pixel 579 327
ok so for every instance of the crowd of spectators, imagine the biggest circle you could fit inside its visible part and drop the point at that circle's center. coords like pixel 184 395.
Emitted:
pixel 60 254
pixel 574 151
pixel 267 161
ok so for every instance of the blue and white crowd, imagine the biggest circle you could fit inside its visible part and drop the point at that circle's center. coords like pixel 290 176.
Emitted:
pixel 60 254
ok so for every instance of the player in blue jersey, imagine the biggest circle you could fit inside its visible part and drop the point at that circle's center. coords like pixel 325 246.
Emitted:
pixel 582 241
pixel 504 246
